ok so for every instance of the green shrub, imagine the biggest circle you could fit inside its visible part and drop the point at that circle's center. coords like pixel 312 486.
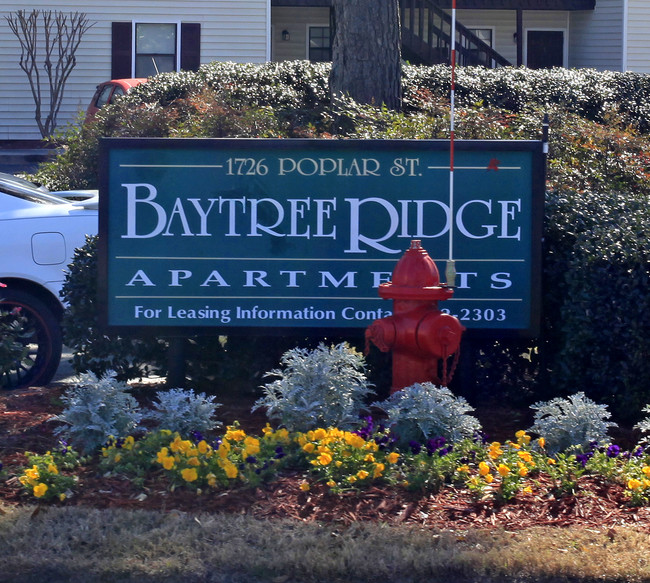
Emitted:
pixel 12 350
pixel 324 387
pixel 596 268
pixel 93 350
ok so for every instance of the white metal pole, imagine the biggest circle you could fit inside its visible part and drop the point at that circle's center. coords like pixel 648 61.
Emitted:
pixel 450 270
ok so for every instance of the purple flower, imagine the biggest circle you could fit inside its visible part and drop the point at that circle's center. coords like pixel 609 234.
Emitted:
pixel 481 437
pixel 415 447
pixel 583 458
pixel 613 451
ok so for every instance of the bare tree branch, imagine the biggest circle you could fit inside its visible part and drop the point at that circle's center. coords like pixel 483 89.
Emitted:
pixel 61 36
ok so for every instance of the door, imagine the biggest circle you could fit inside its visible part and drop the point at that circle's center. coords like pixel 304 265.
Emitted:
pixel 545 49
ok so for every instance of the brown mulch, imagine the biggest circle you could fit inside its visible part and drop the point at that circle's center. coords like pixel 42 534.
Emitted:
pixel 25 426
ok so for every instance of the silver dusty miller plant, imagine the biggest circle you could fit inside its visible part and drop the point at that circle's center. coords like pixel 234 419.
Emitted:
pixel 644 427
pixel 184 411
pixel 571 423
pixel 324 387
pixel 95 409
pixel 424 410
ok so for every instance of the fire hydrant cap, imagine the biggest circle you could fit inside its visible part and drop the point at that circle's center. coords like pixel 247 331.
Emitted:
pixel 415 277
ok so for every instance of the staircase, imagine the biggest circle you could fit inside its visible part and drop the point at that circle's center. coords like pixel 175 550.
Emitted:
pixel 426 38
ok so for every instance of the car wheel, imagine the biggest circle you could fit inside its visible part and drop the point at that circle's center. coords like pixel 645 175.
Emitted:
pixel 40 336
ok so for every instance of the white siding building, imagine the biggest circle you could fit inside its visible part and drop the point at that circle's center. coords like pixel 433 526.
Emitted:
pixel 222 30
pixel 129 36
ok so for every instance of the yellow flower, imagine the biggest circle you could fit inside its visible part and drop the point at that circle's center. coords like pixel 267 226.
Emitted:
pixel 203 447
pixel 62 496
pixel 52 469
pixel 308 447
pixel 523 471
pixel 129 442
pixel 483 469
pixel 525 456
pixel 369 458
pixel 354 440
pixel 235 434
pixel 633 484
pixel 646 470
pixel 304 486
pixel 282 435
pixel 324 459
pixel 40 490
pixel 331 483
pixel 550 461
pixel 168 463
pixel 464 469
pixel 230 469
pixel 527 490
pixel 117 458
pixel 224 449
pixel 379 468
pixel 522 437
pixel 194 461
pixel 33 473
pixel 319 434
pixel 352 479
pixel 503 470
pixel 362 474
pixel 489 478
pixel 251 445
pixel 189 474
pixel 392 457
pixel 541 442
pixel 495 450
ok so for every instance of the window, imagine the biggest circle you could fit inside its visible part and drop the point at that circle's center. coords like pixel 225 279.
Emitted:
pixel 320 46
pixel 473 53
pixel 156 47
pixel 485 34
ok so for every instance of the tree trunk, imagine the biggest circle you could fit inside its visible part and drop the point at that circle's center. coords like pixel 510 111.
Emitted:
pixel 366 53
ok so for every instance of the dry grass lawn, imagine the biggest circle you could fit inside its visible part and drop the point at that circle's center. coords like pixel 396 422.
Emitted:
pixel 80 544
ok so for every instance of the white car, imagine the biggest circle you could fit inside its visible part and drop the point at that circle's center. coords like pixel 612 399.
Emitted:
pixel 39 232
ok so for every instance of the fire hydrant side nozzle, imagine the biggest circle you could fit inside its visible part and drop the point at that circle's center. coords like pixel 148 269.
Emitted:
pixel 419 335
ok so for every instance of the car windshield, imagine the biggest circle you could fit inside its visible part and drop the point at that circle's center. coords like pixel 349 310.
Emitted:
pixel 14 186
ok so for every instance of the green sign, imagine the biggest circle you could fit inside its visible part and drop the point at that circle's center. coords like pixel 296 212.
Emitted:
pixel 298 234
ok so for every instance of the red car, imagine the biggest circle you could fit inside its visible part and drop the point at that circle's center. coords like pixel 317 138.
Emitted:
pixel 108 91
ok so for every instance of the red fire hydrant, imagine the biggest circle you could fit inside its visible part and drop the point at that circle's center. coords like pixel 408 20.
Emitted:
pixel 421 337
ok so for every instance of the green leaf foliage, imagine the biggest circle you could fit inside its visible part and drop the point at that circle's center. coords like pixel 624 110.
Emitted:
pixel 596 256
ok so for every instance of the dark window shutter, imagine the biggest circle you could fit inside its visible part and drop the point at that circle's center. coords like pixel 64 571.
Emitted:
pixel 190 46
pixel 121 58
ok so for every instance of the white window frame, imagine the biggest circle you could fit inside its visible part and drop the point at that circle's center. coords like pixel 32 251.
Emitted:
pixel 565 47
pixel 492 30
pixel 176 23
